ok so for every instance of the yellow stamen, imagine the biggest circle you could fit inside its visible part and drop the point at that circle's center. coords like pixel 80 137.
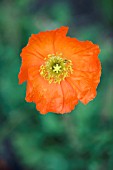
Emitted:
pixel 55 69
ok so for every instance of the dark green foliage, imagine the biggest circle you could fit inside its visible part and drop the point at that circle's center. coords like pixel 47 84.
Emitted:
pixel 81 140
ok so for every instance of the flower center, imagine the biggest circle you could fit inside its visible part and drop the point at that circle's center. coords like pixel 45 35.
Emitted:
pixel 55 69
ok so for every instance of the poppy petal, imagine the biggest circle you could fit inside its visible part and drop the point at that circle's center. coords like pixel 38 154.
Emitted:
pixel 28 60
pixel 69 97
pixel 48 97
pixel 85 84
pixel 83 54
pixel 38 47
pixel 43 43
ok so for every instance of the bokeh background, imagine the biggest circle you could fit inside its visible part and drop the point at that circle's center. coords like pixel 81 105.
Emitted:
pixel 81 140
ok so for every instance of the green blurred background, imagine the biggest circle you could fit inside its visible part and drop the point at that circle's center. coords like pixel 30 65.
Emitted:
pixel 81 140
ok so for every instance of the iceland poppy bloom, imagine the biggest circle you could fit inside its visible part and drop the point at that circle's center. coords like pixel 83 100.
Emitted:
pixel 59 71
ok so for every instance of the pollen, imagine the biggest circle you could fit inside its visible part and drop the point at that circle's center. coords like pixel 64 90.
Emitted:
pixel 56 68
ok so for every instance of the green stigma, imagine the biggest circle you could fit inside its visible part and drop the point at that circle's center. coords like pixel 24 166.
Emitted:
pixel 55 69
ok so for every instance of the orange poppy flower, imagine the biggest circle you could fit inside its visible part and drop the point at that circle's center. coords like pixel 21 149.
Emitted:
pixel 59 71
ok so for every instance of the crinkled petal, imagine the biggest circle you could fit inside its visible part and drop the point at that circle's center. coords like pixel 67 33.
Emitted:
pixel 83 54
pixel 48 97
pixel 37 49
pixel 58 98
pixel 28 60
pixel 69 97
pixel 43 42
pixel 85 84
